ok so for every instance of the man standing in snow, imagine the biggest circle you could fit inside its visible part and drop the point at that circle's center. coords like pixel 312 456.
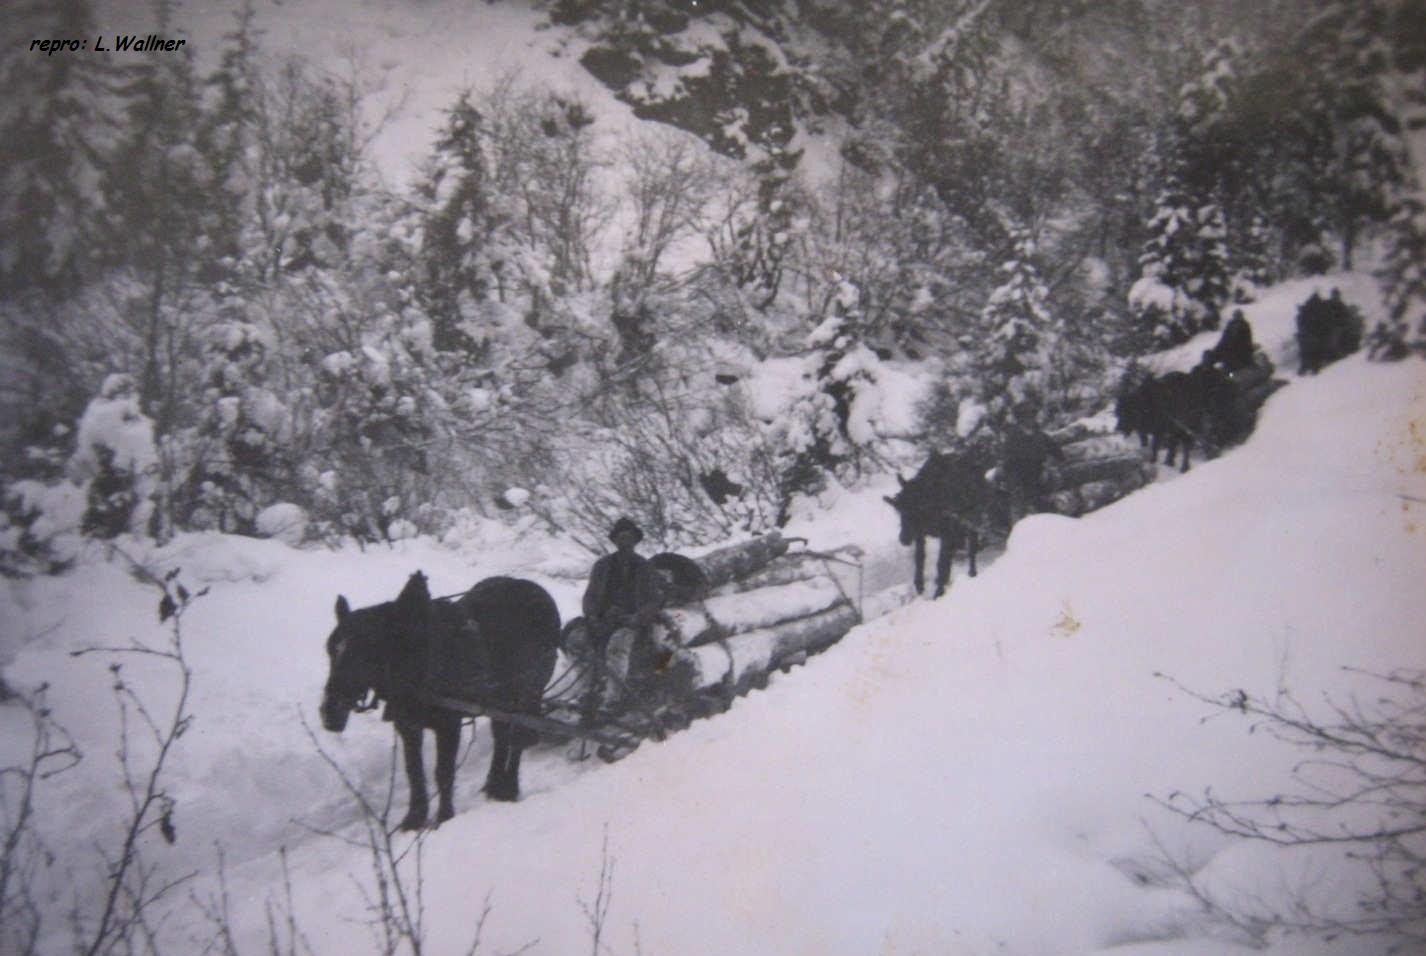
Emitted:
pixel 620 602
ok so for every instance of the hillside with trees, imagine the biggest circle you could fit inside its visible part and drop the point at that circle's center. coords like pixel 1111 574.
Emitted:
pixel 993 200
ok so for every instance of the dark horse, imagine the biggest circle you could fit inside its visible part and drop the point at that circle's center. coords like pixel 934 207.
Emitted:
pixel 949 498
pixel 494 646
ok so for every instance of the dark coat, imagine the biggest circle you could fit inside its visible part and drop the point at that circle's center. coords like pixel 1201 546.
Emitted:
pixel 1025 453
pixel 621 594
pixel 1234 350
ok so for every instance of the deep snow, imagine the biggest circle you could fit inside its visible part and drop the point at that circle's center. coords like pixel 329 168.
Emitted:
pixel 962 776
pixel 967 776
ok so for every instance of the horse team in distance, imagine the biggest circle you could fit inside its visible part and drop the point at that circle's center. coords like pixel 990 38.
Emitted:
pixel 1214 405
pixel 1205 407
pixel 1327 330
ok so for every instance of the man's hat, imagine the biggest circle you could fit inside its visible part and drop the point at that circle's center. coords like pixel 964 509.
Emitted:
pixel 625 526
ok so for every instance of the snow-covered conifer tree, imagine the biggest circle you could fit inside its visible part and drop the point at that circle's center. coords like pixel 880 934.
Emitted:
pixel 1184 281
pixel 1014 364
pixel 55 134
pixel 116 460
pixel 244 430
pixel 308 170
pixel 225 138
pixel 839 404
pixel 1403 276
pixel 1185 278
pixel 456 227
pixel 158 190
pixel 1362 72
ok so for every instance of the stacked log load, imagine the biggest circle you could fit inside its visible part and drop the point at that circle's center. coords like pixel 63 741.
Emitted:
pixel 1101 466
pixel 766 607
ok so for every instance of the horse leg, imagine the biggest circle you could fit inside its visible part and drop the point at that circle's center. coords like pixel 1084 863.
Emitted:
pixel 419 805
pixel 512 765
pixel 943 562
pixel 447 745
pixel 919 578
pixel 501 782
pixel 972 546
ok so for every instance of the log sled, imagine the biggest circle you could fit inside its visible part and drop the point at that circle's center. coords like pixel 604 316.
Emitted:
pixel 770 603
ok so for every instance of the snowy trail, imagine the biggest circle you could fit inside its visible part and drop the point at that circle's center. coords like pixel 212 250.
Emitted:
pixel 1315 500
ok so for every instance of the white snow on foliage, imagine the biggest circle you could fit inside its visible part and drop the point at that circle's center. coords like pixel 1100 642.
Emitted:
pixel 967 775
pixel 285 521
pixel 57 510
pixel 113 421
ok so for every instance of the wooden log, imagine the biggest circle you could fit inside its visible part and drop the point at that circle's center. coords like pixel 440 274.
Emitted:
pixel 1096 494
pixel 793 566
pixel 1123 467
pixel 740 560
pixel 729 614
pixel 735 662
pixel 1071 433
pixel 770 606
pixel 1065 502
pixel 1092 495
pixel 1100 446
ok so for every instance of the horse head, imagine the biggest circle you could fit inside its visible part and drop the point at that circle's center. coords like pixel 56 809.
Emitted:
pixel 360 649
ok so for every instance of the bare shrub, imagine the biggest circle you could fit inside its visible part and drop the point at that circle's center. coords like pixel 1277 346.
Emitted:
pixel 654 460
pixel 1361 788
pixel 395 896
pixel 135 883
pixel 23 854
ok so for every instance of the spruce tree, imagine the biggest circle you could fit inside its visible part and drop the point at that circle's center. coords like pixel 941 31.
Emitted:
pixel 1356 91
pixel 225 138
pixel 55 136
pixel 457 226
pixel 1015 361
pixel 1403 276
pixel 157 188
pixel 1184 273
pixel 308 170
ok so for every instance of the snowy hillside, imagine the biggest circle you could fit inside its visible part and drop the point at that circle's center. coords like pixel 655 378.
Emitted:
pixel 963 776
pixel 411 60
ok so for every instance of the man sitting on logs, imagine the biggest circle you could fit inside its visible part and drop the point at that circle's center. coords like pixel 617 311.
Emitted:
pixel 1234 351
pixel 622 598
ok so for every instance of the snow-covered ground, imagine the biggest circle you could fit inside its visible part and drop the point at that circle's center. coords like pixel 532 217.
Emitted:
pixel 967 776
pixel 970 775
